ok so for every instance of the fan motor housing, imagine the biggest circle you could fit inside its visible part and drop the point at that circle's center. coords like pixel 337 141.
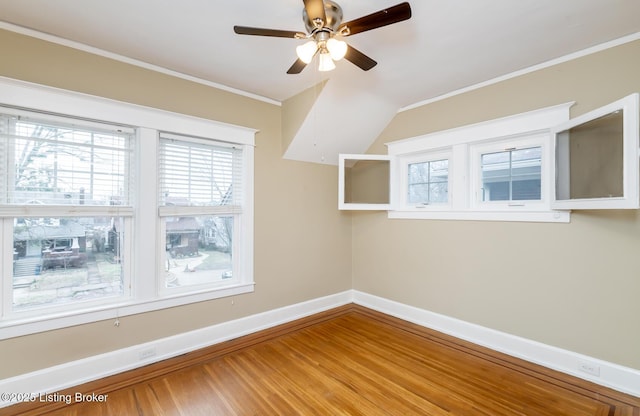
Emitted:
pixel 333 13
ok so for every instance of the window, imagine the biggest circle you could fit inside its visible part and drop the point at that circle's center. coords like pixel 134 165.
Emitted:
pixel 510 173
pixel 103 213
pixel 425 181
pixel 534 166
pixel 65 163
pixel 201 207
pixel 66 197
pixel 428 182
pixel 497 170
pixel 596 157
pixel 363 182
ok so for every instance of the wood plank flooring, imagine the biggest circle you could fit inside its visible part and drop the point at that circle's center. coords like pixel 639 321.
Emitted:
pixel 348 361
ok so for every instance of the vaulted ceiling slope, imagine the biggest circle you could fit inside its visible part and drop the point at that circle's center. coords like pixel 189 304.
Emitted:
pixel 445 47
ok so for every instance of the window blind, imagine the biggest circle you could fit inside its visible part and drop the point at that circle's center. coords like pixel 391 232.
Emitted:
pixel 57 163
pixel 4 161
pixel 199 173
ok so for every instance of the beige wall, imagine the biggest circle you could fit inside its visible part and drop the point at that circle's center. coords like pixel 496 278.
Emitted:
pixel 574 286
pixel 296 259
pixel 367 182
pixel 295 110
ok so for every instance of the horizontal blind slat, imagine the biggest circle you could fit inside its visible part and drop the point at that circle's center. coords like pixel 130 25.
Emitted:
pixel 59 163
pixel 199 174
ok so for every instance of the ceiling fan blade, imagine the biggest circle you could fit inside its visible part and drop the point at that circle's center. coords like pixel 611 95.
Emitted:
pixel 315 10
pixel 297 67
pixel 359 59
pixel 385 17
pixel 256 31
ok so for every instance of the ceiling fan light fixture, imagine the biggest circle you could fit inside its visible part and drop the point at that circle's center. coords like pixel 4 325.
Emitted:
pixel 337 48
pixel 306 51
pixel 325 63
pixel 323 22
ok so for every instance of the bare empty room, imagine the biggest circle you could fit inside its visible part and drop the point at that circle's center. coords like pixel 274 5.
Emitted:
pixel 319 207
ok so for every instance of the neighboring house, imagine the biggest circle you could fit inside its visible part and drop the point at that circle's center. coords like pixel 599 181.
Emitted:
pixel 59 243
pixel 183 237
pixel 41 234
pixel 63 243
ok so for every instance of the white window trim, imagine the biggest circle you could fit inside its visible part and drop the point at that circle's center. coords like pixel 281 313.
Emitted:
pixel 148 121
pixel 241 229
pixel 342 166
pixel 403 166
pixel 631 141
pixel 539 139
pixel 461 142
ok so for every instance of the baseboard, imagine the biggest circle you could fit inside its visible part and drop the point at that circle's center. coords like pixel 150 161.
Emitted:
pixel 57 378
pixel 82 371
pixel 617 377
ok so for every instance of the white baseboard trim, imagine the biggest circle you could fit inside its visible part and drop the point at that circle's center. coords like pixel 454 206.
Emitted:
pixel 75 373
pixel 63 376
pixel 617 377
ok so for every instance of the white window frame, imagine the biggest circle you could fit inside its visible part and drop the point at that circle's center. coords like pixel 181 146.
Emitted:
pixel 241 231
pixel 466 144
pixel 403 163
pixel 144 295
pixel 539 139
pixel 459 142
pixel 342 167
pixel 631 141
pixel 9 212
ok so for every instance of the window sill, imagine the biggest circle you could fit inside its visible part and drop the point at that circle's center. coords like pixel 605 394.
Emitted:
pixel 11 328
pixel 514 216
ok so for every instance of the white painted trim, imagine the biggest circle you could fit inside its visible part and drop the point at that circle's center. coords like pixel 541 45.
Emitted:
pixel 344 159
pixel 22 94
pixel 504 128
pixel 510 216
pixel 82 371
pixel 149 121
pixel 624 379
pixel 464 179
pixel 75 373
pixel 31 324
pixel 585 52
pixel 630 141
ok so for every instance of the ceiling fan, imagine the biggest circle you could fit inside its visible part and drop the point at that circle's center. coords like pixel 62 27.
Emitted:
pixel 323 21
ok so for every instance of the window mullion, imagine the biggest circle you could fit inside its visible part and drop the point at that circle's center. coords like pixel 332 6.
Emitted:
pixel 511 175
pixel 6 265
pixel 146 245
pixel 92 166
pixel 190 173
pixel 429 182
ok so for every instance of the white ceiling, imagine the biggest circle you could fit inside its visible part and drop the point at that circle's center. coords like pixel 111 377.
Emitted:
pixel 446 46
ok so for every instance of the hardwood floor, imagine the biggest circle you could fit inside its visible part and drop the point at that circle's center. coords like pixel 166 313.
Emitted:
pixel 347 361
